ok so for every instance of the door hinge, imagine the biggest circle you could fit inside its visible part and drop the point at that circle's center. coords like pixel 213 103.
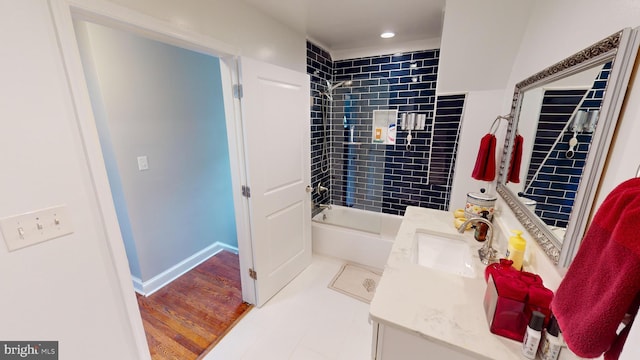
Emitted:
pixel 246 191
pixel 237 91
pixel 253 274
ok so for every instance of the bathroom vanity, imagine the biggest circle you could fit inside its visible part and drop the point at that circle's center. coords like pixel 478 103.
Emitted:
pixel 424 307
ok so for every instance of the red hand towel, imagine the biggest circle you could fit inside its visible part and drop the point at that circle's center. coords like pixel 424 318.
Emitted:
pixel 540 296
pixel 485 168
pixel 530 279
pixel 516 160
pixel 511 287
pixel 498 269
pixel 603 282
pixel 540 300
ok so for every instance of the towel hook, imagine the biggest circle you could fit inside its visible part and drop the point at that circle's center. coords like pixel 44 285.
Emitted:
pixel 500 117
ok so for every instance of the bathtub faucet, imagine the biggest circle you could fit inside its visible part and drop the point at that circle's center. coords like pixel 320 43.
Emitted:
pixel 324 206
pixel 321 189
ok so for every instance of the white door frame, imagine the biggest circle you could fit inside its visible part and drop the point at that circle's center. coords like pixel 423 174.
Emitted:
pixel 105 13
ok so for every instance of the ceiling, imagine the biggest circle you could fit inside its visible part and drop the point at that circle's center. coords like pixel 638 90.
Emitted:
pixel 340 25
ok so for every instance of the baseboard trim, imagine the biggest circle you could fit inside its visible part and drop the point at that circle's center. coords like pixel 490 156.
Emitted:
pixel 156 283
pixel 137 285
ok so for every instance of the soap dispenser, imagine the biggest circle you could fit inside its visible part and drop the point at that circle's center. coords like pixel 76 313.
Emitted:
pixel 481 228
pixel 515 249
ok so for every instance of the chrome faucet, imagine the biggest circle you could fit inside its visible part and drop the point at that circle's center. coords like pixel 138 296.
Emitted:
pixel 324 206
pixel 488 254
pixel 321 189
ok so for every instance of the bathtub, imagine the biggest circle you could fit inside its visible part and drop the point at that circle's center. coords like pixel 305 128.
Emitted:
pixel 355 235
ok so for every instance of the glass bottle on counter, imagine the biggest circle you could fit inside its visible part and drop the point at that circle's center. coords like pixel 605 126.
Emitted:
pixel 480 234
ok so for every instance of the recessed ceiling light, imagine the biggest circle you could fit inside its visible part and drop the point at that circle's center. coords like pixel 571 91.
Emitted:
pixel 387 35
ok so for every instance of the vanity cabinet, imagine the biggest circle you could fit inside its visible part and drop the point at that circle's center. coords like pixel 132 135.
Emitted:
pixel 391 343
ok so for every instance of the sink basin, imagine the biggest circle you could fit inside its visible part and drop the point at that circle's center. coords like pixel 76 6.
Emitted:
pixel 443 252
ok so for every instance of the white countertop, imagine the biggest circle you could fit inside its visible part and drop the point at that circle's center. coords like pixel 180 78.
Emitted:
pixel 438 306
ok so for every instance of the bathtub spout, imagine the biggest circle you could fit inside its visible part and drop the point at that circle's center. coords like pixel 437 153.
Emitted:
pixel 324 206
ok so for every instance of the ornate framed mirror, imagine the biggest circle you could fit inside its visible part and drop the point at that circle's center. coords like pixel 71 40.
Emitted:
pixel 567 115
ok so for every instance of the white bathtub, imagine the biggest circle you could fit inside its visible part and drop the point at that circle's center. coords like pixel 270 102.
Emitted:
pixel 355 235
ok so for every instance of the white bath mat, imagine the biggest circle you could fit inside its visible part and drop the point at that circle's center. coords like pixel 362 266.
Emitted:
pixel 356 281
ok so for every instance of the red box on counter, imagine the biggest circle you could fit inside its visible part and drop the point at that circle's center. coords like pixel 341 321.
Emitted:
pixel 510 299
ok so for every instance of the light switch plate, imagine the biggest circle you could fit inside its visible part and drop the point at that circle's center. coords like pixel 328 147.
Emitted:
pixel 143 163
pixel 35 227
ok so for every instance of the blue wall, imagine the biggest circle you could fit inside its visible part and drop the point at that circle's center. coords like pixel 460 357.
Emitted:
pixel 157 100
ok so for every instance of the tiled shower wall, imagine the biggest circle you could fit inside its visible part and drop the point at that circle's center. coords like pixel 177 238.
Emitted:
pixel 552 177
pixel 319 68
pixel 378 177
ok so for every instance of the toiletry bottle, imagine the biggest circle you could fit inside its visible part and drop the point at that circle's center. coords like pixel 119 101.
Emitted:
pixel 391 134
pixel 515 249
pixel 481 228
pixel 532 335
pixel 551 341
pixel 378 135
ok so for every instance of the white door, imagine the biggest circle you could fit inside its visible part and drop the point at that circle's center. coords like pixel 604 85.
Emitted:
pixel 276 123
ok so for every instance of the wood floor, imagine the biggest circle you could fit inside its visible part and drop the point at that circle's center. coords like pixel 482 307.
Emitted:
pixel 187 317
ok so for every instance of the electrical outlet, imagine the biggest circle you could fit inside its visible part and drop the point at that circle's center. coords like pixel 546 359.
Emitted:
pixel 35 227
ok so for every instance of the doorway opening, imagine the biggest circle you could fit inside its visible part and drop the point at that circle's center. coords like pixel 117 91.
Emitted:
pixel 272 213
pixel 160 115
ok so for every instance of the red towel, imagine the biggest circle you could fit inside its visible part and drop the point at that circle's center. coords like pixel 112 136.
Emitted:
pixel 539 299
pixel 511 288
pixel 485 168
pixel 516 160
pixel 603 282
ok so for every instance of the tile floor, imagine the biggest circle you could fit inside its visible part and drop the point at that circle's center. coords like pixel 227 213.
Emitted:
pixel 304 321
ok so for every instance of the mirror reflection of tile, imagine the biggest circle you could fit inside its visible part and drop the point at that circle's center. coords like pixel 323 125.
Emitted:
pixel 554 172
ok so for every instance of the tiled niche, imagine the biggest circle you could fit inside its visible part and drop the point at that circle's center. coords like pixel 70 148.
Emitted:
pixel 379 177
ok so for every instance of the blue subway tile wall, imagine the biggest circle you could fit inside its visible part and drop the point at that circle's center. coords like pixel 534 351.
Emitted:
pixel 423 174
pixel 389 178
pixel 378 177
pixel 319 68
pixel 553 177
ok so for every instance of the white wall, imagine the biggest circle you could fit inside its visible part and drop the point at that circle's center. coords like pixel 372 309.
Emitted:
pixel 480 40
pixel 343 54
pixel 233 22
pixel 166 103
pixel 65 289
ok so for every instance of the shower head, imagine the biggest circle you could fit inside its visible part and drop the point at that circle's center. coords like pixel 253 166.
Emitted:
pixel 330 87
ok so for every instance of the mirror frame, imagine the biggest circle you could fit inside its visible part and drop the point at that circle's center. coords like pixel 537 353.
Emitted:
pixel 620 47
